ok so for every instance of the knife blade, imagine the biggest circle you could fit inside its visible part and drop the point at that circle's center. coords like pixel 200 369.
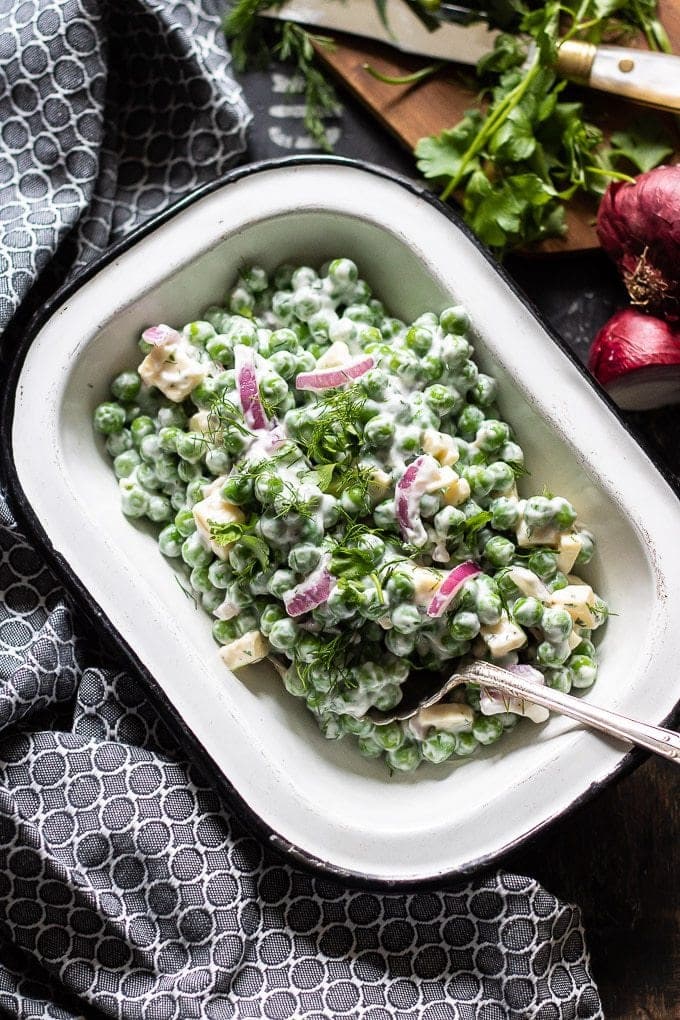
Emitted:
pixel 463 44
pixel 652 79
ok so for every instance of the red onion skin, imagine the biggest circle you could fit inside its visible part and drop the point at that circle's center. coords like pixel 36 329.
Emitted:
pixel 629 341
pixel 638 225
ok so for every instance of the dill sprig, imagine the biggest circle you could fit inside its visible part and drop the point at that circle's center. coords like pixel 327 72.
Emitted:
pixel 224 414
pixel 335 434
pixel 297 46
pixel 336 659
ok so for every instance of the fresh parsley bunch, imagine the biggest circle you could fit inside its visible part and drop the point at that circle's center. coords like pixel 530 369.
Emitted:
pixel 524 150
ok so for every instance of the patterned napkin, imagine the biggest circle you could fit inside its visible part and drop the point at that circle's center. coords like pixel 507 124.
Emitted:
pixel 127 889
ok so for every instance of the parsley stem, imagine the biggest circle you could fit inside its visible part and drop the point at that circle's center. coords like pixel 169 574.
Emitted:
pixel 614 175
pixel 406 79
pixel 493 121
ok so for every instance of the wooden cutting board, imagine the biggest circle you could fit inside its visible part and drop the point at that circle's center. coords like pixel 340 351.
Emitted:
pixel 410 112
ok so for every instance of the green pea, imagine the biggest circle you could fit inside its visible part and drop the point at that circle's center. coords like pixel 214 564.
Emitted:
pixel 538 512
pixel 401 645
pixel 560 679
pixel 557 624
pixel 469 420
pixel 134 501
pixel 140 427
pixel 369 748
pixel 455 320
pixel 484 391
pixel 406 619
pixel 199 332
pixel 109 418
pixel 283 634
pixel 385 516
pixel 438 747
pixel 118 442
pixel 267 487
pixel 200 579
pixel 584 671
pixel 480 480
pixel 419 339
pixel 160 508
pixel 170 541
pixel 464 626
pixel 466 744
pixel 489 608
pixel 389 737
pixel 224 631
pixel 221 349
pixel 549 654
pixel 273 388
pixel 560 580
pixel 216 316
pixel 190 446
pixel 543 563
pixel 194 553
pixel 186 470
pixel 492 435
pixel 125 463
pixel 281 582
pixel 126 386
pixel 379 431
pixel 147 477
pixel 441 399
pixel 404 759
pixel 304 558
pixel 499 551
pixel 564 514
pixel 185 523
pixel 505 513
pixel 486 729
pixel 527 612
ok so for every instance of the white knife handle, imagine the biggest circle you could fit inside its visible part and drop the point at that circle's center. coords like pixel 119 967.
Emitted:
pixel 649 78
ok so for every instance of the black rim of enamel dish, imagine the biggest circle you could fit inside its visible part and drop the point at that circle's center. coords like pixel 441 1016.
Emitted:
pixel 33 528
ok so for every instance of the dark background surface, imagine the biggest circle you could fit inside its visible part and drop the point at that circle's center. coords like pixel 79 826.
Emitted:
pixel 617 856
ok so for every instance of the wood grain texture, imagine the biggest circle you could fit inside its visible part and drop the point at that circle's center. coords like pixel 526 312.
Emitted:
pixel 617 857
pixel 409 112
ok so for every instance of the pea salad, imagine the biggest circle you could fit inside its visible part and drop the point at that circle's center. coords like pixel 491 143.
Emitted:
pixel 342 491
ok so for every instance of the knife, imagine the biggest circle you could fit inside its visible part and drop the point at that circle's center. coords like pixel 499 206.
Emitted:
pixel 652 79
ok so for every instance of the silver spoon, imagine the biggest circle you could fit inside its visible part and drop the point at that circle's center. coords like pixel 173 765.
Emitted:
pixel 653 738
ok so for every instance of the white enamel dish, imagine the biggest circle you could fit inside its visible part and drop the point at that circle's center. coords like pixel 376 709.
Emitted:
pixel 318 799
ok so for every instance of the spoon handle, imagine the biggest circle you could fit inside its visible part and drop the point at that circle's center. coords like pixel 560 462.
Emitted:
pixel 653 738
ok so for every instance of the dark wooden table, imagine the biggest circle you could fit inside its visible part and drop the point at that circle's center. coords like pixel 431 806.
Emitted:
pixel 616 857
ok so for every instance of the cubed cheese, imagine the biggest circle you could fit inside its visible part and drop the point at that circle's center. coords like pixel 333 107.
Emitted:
pixel 426 583
pixel 244 651
pixel 200 422
pixel 568 549
pixel 502 637
pixel 452 717
pixel 577 599
pixel 441 446
pixel 457 492
pixel 337 354
pixel 171 368
pixel 218 510
pixel 379 484
pixel 527 536
pixel 528 583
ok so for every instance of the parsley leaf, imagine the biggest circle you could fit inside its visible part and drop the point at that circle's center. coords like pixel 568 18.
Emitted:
pixel 645 144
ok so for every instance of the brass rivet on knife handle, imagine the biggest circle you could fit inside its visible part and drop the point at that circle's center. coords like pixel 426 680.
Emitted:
pixel 575 60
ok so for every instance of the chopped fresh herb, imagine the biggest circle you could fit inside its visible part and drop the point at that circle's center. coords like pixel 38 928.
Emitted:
pixel 335 434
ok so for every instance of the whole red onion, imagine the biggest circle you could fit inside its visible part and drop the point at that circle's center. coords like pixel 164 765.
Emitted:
pixel 636 357
pixel 638 224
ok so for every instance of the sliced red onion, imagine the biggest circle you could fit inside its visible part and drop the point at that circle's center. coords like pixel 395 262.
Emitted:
pixel 413 483
pixel 492 703
pixel 160 335
pixel 248 389
pixel 450 586
pixel 311 592
pixel 331 378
